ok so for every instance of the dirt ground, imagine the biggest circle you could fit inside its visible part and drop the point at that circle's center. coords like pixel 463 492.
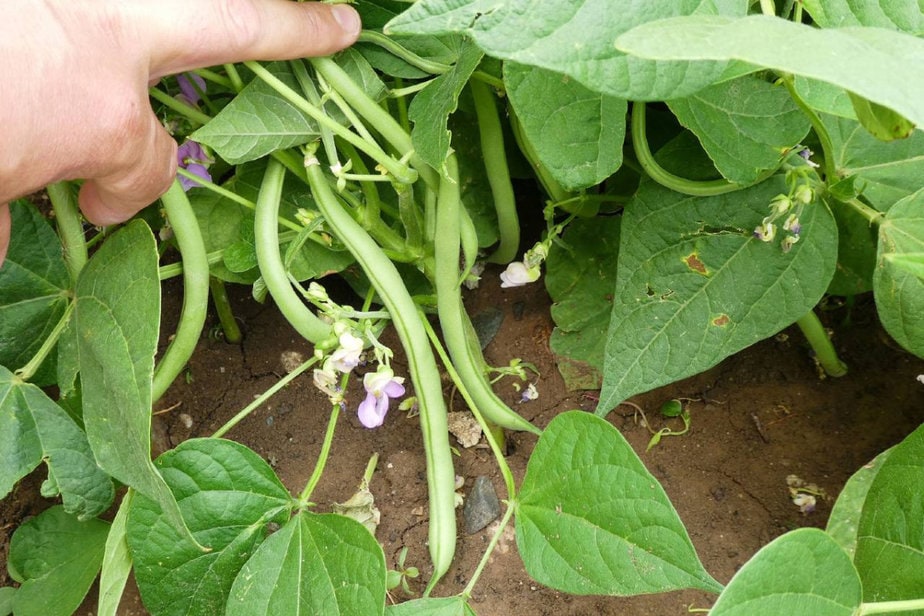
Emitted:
pixel 756 418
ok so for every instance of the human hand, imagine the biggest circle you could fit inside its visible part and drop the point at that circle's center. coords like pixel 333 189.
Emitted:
pixel 75 77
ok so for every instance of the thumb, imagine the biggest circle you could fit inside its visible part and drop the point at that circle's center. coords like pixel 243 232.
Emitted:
pixel 144 175
pixel 5 224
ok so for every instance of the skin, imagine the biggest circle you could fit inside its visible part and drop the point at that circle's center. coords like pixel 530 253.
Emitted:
pixel 75 78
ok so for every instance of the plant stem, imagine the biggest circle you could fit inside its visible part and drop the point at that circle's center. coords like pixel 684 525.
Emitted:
pixel 875 217
pixel 325 450
pixel 818 338
pixel 223 308
pixel 821 131
pixel 495 164
pixel 266 395
pixel 555 190
pixel 502 525
pixel 421 364
pixel 702 188
pixel 266 237
pixel 400 171
pixel 394 48
pixel 190 113
pixel 195 289
pixel 29 370
pixel 889 607
pixel 70 228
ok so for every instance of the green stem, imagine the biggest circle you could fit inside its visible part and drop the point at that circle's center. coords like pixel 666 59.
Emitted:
pixel 195 289
pixel 453 320
pixel 324 454
pixel 875 217
pixel 818 338
pixel 389 45
pixel 223 308
pixel 495 163
pixel 890 607
pixel 29 370
pixel 767 7
pixel 266 395
pixel 661 175
pixel 421 364
pixel 383 122
pixel 821 131
pixel 70 227
pixel 266 237
pixel 400 171
pixel 235 77
pixel 190 113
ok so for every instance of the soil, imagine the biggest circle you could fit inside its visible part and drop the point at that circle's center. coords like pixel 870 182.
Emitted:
pixel 757 417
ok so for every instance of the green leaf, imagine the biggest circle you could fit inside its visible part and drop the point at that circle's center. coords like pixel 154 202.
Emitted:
pixel 882 123
pixel 316 564
pixel 681 304
pixel 258 121
pixel 825 97
pixel 431 108
pixel 34 286
pixel 444 606
pixel 7 600
pixel 55 557
pixel 581 275
pixel 856 251
pixel 34 429
pixel 803 572
pixel 844 521
pixel 904 15
pixel 745 125
pixel 574 38
pixel 592 520
pixel 117 562
pixel 228 494
pixel 890 538
pixel 117 318
pixel 899 291
pixel 865 61
pixel 574 130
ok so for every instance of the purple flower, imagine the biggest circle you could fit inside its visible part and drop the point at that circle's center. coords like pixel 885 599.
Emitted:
pixel 191 85
pixel 381 386
pixel 193 158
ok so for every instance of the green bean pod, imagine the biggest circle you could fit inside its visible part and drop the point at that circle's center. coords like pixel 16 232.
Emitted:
pixel 454 321
pixel 421 364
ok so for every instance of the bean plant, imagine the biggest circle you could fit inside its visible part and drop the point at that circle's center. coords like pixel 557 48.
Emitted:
pixel 710 171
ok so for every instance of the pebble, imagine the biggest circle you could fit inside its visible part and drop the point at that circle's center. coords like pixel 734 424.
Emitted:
pixel 481 507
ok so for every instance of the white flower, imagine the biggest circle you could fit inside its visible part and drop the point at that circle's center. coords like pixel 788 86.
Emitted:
pixel 517 275
pixel 346 357
pixel 326 380
pixel 530 393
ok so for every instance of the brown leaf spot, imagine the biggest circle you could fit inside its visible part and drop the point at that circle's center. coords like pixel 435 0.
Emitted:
pixel 692 261
pixel 721 321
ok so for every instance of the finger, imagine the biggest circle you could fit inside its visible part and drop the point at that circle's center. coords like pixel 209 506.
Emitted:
pixel 189 34
pixel 5 224
pixel 135 183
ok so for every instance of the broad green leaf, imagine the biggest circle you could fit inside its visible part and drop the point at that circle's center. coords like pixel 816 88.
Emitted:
pixel 592 520
pixel 444 606
pixel 222 222
pixel 574 38
pixel 228 494
pixel 580 279
pixel 431 108
pixel 117 562
pixel 803 572
pixel 34 429
pixel 117 318
pixel 882 123
pixel 34 287
pixel 856 251
pixel 890 539
pixel 362 74
pixel 883 171
pixel 7 598
pixel 258 121
pixel 315 564
pixel 746 125
pixel 575 131
pixel 825 97
pixel 883 66
pixel 904 15
pixel 55 558
pixel 694 285
pixel 844 521
pixel 899 291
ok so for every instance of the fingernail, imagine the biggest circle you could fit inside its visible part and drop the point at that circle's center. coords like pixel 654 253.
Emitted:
pixel 347 18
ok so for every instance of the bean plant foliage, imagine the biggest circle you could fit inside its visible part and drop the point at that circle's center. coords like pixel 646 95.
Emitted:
pixel 711 170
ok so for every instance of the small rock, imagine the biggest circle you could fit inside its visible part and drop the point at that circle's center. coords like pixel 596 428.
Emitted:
pixel 481 507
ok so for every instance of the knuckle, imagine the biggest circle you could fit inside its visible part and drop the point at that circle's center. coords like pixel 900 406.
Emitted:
pixel 241 20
